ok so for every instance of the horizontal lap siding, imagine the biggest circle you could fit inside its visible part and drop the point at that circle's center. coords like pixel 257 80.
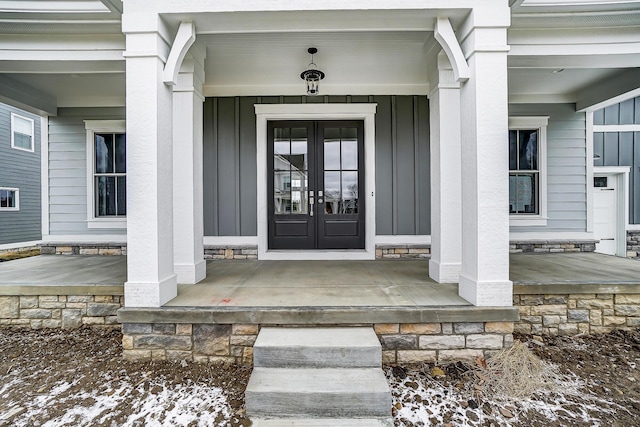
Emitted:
pixel 20 169
pixel 67 169
pixel 566 166
pixel 402 163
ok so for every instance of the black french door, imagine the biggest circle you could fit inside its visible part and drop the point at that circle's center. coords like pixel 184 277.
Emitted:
pixel 315 184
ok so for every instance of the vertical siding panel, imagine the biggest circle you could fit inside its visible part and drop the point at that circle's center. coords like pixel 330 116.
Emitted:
pixel 611 149
pixel 598 149
pixel 637 111
pixel 236 143
pixel 227 161
pixel 612 115
pixel 384 169
pixel 210 172
pixel 248 191
pixel 635 179
pixel 626 112
pixel 598 117
pixel 424 176
pixel 405 176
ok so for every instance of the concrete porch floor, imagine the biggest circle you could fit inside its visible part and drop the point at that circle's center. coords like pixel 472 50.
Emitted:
pixel 251 283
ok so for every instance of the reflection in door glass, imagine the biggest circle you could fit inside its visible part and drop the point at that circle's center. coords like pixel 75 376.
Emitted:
pixel 290 181
pixel 349 201
pixel 332 148
pixel 331 192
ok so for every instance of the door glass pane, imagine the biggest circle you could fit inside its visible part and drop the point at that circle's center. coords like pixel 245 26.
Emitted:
pixel 122 195
pixel 332 148
pixel 121 153
pixel 528 150
pixel 104 153
pixel 299 200
pixel 105 195
pixel 298 157
pixel 332 192
pixel 513 150
pixel 350 154
pixel 282 192
pixel 349 202
pixel 281 149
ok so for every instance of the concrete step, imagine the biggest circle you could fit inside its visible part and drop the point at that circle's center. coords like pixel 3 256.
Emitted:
pixel 317 393
pixel 322 422
pixel 317 347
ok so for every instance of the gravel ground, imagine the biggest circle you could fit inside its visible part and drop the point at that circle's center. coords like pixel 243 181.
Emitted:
pixel 78 378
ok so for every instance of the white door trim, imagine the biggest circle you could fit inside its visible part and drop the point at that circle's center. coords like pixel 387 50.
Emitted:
pixel 621 175
pixel 266 112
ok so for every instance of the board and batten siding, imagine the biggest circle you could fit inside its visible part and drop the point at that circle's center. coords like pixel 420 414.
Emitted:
pixel 68 169
pixel 621 148
pixel 20 169
pixel 402 162
pixel 566 166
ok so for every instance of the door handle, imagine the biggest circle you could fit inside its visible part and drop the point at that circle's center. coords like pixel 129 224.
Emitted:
pixel 311 202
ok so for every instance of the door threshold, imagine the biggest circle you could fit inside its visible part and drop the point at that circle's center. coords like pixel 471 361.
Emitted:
pixel 317 254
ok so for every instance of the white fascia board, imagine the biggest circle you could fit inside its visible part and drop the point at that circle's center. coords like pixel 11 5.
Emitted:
pixel 19 245
pixel 85 238
pixel 616 128
pixel 403 240
pixel 61 55
pixel 230 240
pixel 549 235
pixel 541 98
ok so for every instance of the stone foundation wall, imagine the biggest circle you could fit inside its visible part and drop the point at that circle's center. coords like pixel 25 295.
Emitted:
pixel 83 249
pixel 60 311
pixel 401 343
pixel 402 251
pixel 552 246
pixel 230 252
pixel 20 249
pixel 571 314
pixel 633 244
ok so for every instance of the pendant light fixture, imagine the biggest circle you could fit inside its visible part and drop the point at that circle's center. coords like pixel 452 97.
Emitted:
pixel 312 75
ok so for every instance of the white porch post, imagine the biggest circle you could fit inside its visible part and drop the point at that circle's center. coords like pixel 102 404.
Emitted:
pixel 484 280
pixel 151 281
pixel 188 222
pixel 446 214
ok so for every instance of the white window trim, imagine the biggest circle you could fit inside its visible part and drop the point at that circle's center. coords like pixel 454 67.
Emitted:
pixel 92 127
pixel 33 134
pixel 16 198
pixel 540 123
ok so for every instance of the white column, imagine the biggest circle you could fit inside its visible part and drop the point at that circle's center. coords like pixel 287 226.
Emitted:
pixel 484 280
pixel 446 214
pixel 188 221
pixel 151 281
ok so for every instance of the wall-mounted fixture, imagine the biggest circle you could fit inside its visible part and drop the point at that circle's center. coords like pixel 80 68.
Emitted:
pixel 312 75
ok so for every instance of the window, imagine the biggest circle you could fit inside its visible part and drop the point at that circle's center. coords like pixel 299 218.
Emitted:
pixel 527 170
pixel 107 173
pixel 21 133
pixel 9 199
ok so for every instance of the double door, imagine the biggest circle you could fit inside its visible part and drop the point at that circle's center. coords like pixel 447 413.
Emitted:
pixel 316 184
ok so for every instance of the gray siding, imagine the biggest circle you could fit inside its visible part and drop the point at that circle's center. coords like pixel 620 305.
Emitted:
pixel 566 166
pixel 20 169
pixel 68 169
pixel 621 148
pixel 402 163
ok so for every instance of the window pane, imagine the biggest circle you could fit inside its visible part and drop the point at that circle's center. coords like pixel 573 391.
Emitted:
pixel 11 199
pixel 349 203
pixel 528 150
pixel 4 199
pixel 121 153
pixel 22 126
pixel 105 196
pixel 298 157
pixel 523 193
pixel 513 150
pixel 122 195
pixel 299 200
pixel 281 192
pixel 104 153
pixel 22 141
pixel 332 192
pixel 332 148
pixel 349 153
pixel 281 149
